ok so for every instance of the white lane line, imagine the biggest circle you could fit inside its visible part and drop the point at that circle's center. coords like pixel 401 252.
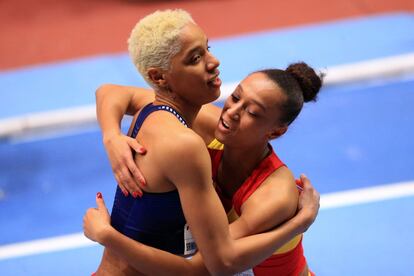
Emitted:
pixel 47 245
pixel 328 201
pixel 366 70
pixel 366 195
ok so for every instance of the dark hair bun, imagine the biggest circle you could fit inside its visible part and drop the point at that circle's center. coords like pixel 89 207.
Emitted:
pixel 308 80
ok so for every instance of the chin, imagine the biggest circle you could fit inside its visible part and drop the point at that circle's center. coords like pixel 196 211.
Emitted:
pixel 217 94
pixel 220 137
pixel 210 99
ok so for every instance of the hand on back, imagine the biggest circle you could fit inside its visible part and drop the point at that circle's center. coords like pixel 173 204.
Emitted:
pixel 308 205
pixel 119 149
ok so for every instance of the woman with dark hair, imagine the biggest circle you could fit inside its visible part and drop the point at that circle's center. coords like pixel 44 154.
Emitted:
pixel 256 188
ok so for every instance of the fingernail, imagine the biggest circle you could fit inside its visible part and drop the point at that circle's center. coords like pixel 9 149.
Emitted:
pixel 142 150
pixel 135 194
pixel 298 182
pixel 143 182
pixel 125 193
pixel 140 194
pixel 99 195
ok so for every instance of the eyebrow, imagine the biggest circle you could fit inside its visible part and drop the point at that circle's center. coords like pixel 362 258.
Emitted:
pixel 253 100
pixel 195 49
pixel 191 52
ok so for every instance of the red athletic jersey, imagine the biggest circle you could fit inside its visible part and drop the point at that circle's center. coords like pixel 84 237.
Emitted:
pixel 291 261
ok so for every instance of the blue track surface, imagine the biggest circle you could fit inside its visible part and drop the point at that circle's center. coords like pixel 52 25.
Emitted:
pixel 332 141
pixel 358 135
pixel 368 239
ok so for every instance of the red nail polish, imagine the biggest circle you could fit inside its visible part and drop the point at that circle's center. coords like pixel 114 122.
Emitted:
pixel 125 193
pixel 140 194
pixel 99 195
pixel 135 194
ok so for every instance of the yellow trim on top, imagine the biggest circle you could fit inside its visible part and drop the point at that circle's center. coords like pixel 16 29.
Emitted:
pixel 232 215
pixel 216 144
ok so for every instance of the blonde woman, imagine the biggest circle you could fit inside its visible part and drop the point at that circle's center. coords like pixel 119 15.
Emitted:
pixel 172 54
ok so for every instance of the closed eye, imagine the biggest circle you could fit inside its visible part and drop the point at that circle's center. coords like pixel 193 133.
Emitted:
pixel 252 114
pixel 234 98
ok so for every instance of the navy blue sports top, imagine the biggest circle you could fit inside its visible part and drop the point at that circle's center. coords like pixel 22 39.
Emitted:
pixel 155 219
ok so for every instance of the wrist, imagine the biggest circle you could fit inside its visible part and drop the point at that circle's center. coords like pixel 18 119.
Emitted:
pixel 105 235
pixel 302 221
pixel 107 136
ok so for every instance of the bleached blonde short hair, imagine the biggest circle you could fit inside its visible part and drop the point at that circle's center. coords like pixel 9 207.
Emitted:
pixel 155 40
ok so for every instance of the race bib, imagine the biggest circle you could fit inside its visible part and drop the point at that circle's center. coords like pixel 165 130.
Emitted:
pixel 248 272
pixel 190 246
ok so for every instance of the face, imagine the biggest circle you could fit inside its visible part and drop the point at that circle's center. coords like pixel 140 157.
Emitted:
pixel 193 74
pixel 250 115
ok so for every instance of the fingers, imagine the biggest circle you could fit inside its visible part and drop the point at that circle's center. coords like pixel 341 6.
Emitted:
pixel 137 147
pixel 86 226
pixel 121 185
pixel 304 179
pixel 308 185
pixel 100 201
pixel 305 182
pixel 312 192
pixel 136 173
pixel 129 183
pixel 299 184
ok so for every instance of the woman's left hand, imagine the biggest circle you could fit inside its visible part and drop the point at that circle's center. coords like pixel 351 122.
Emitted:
pixel 97 221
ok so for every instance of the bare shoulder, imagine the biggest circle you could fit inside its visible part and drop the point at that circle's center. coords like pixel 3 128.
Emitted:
pixel 282 180
pixel 179 145
pixel 273 203
pixel 279 189
pixel 187 159
pixel 187 145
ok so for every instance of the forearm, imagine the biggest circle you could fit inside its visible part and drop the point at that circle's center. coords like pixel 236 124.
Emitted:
pixel 149 260
pixel 252 250
pixel 110 109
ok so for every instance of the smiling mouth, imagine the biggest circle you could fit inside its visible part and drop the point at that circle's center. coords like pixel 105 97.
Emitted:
pixel 215 81
pixel 225 125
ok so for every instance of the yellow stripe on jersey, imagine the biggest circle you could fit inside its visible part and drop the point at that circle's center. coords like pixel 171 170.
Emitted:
pixel 232 215
pixel 216 145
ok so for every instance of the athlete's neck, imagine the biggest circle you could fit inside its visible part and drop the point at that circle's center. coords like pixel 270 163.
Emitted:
pixel 186 110
pixel 242 161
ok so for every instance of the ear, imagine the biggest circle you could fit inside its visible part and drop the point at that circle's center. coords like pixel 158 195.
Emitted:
pixel 277 132
pixel 156 75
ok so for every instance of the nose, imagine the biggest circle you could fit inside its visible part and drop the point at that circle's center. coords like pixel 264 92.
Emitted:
pixel 234 111
pixel 212 62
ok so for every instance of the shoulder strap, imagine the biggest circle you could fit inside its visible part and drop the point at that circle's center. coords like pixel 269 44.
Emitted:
pixel 148 109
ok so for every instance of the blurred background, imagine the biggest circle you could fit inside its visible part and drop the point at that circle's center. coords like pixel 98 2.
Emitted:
pixel 355 143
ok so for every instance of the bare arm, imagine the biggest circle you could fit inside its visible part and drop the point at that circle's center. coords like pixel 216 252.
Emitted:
pixel 206 217
pixel 112 102
pixel 154 261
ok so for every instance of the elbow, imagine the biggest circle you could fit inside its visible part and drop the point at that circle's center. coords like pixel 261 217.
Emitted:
pixel 103 90
pixel 226 266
